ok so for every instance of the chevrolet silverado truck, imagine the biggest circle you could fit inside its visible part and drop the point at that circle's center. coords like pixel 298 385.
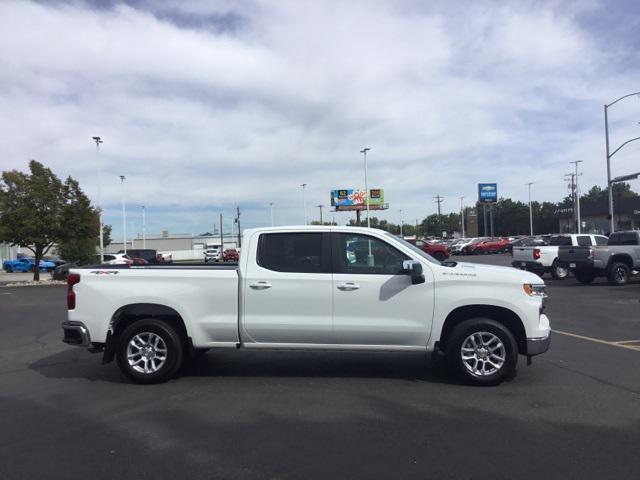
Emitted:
pixel 617 261
pixel 544 258
pixel 310 288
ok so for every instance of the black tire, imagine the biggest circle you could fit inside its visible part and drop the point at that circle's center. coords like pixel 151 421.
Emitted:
pixel 174 350
pixel 585 277
pixel 489 327
pixel 558 272
pixel 618 274
pixel 9 269
pixel 439 256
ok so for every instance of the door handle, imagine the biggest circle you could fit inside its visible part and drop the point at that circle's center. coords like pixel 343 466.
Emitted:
pixel 348 286
pixel 261 285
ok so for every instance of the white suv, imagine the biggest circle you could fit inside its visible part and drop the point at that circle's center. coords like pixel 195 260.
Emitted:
pixel 212 254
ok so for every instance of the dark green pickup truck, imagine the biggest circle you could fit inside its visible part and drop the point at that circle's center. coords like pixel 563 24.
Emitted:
pixel 618 260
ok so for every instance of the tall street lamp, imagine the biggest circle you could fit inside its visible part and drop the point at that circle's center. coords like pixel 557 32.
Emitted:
pixel 530 210
pixel 124 216
pixel 609 155
pixel 271 212
pixel 98 141
pixel 401 236
pixel 366 182
pixel 144 227
pixel 304 202
pixel 577 201
pixel 320 207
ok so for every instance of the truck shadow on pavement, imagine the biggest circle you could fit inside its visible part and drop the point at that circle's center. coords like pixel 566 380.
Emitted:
pixel 278 364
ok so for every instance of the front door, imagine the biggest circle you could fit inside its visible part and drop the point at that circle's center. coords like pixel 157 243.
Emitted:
pixel 374 303
pixel 288 290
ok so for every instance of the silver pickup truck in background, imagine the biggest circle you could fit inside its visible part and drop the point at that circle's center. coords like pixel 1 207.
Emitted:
pixel 617 261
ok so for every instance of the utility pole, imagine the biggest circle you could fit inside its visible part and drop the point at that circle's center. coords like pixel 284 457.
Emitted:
pixel 98 141
pixel 320 207
pixel 484 218
pixel 366 182
pixel 577 197
pixel 439 200
pixel 462 214
pixel 144 228
pixel 491 217
pixel 304 202
pixel 221 237
pixel 401 236
pixel 416 228
pixel 124 216
pixel 239 230
pixel 570 177
pixel 530 210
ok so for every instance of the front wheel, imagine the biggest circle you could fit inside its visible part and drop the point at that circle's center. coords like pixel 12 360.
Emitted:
pixel 618 274
pixel 558 272
pixel 482 351
pixel 149 351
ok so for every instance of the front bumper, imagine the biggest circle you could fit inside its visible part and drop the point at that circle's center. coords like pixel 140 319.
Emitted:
pixel 536 346
pixel 76 333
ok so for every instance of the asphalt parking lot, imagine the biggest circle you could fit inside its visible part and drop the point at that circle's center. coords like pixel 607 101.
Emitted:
pixel 575 413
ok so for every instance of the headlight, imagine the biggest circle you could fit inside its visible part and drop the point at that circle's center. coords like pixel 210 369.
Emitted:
pixel 537 290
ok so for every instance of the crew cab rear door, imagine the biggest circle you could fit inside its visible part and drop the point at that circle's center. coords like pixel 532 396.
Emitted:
pixel 288 290
pixel 374 303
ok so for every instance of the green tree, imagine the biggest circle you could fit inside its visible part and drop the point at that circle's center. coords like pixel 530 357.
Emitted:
pixel 38 210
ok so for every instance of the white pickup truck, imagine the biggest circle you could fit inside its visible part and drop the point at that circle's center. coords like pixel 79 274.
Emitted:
pixel 309 288
pixel 543 259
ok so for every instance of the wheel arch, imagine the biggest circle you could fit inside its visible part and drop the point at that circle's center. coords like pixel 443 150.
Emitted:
pixel 503 315
pixel 621 258
pixel 128 314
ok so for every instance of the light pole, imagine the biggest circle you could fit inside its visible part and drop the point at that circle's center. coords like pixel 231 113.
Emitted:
pixel 530 210
pixel 271 212
pixel 124 216
pixel 98 141
pixel 609 155
pixel 144 228
pixel 304 202
pixel 366 182
pixel 577 201
pixel 320 207
pixel 401 236
pixel 462 214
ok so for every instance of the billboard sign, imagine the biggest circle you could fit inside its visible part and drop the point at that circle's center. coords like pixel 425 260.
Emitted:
pixel 487 192
pixel 355 199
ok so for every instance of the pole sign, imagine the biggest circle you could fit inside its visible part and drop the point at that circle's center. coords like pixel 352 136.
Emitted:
pixel 355 199
pixel 487 192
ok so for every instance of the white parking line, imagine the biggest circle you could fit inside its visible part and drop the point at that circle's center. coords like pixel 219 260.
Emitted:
pixel 605 342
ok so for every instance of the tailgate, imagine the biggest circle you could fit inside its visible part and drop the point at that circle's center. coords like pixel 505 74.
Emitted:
pixel 576 255
pixel 524 254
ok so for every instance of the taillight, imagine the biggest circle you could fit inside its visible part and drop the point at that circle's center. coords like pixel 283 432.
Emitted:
pixel 536 253
pixel 72 279
pixel 590 252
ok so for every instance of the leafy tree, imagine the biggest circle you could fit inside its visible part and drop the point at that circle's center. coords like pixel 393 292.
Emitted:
pixel 38 210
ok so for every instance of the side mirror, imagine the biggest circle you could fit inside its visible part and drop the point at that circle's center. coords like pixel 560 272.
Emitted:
pixel 413 268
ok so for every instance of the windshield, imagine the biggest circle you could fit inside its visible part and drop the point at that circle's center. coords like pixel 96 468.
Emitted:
pixel 415 249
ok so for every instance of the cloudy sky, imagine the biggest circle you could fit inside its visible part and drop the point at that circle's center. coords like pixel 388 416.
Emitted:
pixel 208 105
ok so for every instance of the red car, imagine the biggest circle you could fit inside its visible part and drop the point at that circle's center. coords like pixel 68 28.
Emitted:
pixel 230 255
pixel 493 245
pixel 438 251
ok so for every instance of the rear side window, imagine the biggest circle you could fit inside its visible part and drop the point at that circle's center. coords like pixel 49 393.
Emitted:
pixel 559 240
pixel 108 258
pixel 601 240
pixel 623 239
pixel 584 240
pixel 293 252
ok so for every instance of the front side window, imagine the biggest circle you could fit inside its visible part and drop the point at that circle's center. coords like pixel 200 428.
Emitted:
pixel 292 252
pixel 623 239
pixel 363 254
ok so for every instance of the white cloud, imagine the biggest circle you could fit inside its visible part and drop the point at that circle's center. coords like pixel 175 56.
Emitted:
pixel 207 105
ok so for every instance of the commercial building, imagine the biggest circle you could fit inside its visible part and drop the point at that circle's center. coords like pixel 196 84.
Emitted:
pixel 594 216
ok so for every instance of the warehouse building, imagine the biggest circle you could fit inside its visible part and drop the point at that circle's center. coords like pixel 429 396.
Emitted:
pixel 594 216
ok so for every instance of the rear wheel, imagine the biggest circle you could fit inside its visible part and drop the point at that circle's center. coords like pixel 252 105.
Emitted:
pixel 149 351
pixel 618 274
pixel 585 276
pixel 558 272
pixel 482 351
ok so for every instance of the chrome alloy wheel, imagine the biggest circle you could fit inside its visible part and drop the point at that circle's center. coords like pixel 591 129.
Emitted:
pixel 146 352
pixel 620 274
pixel 483 353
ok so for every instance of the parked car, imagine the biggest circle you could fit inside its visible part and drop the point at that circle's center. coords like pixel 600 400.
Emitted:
pixel 26 264
pixel 212 254
pixel 148 254
pixel 544 258
pixel 491 245
pixel 116 259
pixel 298 288
pixel 439 251
pixel 230 255
pixel 54 259
pixel 617 260
pixel 525 242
